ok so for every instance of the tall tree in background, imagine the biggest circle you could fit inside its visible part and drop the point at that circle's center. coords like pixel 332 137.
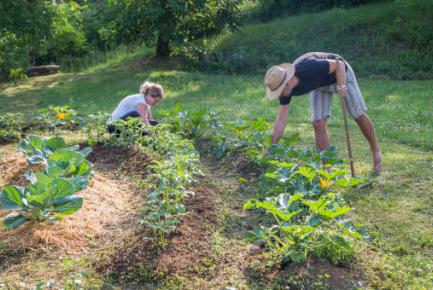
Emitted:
pixel 28 20
pixel 168 22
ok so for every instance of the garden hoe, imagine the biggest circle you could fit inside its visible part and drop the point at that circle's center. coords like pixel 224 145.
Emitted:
pixel 346 131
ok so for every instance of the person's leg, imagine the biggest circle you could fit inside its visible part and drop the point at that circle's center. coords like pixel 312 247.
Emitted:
pixel 132 114
pixel 321 134
pixel 357 108
pixel 320 105
pixel 367 129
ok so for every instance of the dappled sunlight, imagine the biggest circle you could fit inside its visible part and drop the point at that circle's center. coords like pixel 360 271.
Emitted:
pixel 30 84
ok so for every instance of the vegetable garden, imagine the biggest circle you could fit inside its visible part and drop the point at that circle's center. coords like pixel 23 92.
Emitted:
pixel 297 204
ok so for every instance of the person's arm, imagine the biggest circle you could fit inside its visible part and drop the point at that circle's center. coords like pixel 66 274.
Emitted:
pixel 280 123
pixel 339 68
pixel 149 113
pixel 143 111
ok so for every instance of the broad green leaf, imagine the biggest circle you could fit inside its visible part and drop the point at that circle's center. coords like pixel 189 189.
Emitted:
pixel 314 220
pixel 258 234
pixel 79 183
pixel 339 241
pixel 331 214
pixel 36 159
pixel 295 197
pixel 67 205
pixel 307 172
pixel 14 220
pixel 55 143
pixel 347 228
pixel 60 188
pixel 11 198
pixel 293 256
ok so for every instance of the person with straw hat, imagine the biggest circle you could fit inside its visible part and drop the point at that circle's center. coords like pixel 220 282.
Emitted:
pixel 319 74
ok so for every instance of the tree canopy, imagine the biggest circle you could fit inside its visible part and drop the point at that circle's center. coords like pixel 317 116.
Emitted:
pixel 44 31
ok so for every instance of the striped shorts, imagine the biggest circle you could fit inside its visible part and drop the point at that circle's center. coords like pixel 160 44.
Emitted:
pixel 320 99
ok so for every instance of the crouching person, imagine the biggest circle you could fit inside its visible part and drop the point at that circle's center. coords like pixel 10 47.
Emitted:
pixel 138 106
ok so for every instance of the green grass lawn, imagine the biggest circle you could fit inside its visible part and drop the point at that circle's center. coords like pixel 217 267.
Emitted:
pixel 398 210
pixel 389 39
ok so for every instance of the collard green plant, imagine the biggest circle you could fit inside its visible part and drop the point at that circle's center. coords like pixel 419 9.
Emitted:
pixel 51 194
pixel 37 149
pixel 45 199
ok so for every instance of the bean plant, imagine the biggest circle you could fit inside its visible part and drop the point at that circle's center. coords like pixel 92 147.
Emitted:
pixel 96 128
pixel 174 168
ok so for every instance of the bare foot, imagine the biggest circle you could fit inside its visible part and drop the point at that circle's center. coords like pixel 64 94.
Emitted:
pixel 377 160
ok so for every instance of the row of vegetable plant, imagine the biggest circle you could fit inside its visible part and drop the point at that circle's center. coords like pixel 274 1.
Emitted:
pixel 172 171
pixel 301 203
pixel 51 193
pixel 52 118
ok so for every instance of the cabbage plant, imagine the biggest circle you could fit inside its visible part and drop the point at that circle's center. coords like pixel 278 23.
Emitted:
pixel 44 199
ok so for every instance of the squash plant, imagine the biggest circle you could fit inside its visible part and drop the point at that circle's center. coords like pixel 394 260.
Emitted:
pixel 301 206
pixel 57 116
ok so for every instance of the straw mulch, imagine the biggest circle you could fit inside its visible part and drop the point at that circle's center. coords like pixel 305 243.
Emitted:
pixel 110 206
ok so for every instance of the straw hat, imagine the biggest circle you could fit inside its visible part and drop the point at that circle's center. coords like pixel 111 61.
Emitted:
pixel 276 78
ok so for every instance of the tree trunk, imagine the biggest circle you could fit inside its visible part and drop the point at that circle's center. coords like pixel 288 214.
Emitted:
pixel 162 48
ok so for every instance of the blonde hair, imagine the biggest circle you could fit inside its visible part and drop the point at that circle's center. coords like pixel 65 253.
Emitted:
pixel 152 89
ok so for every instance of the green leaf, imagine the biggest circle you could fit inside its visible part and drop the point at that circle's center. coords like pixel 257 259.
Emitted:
pixel 55 143
pixel 11 198
pixel 309 173
pixel 60 187
pixel 250 203
pixel 86 151
pixel 347 228
pixel 293 256
pixel 257 235
pixel 314 220
pixel 333 213
pixel 290 140
pixel 339 241
pixel 36 159
pixel 67 205
pixel 14 220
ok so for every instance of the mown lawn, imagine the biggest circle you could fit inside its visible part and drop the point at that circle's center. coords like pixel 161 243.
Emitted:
pixel 398 209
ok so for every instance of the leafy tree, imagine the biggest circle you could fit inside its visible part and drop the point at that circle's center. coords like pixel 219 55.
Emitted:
pixel 29 20
pixel 175 21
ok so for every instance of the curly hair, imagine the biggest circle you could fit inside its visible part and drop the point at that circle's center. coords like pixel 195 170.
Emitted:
pixel 152 89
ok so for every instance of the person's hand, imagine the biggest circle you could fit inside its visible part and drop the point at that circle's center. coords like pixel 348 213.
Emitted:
pixel 342 90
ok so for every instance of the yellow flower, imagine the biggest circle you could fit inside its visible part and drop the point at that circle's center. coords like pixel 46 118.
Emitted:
pixel 60 116
pixel 324 183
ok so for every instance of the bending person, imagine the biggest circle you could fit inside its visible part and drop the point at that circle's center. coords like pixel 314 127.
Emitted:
pixel 318 73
